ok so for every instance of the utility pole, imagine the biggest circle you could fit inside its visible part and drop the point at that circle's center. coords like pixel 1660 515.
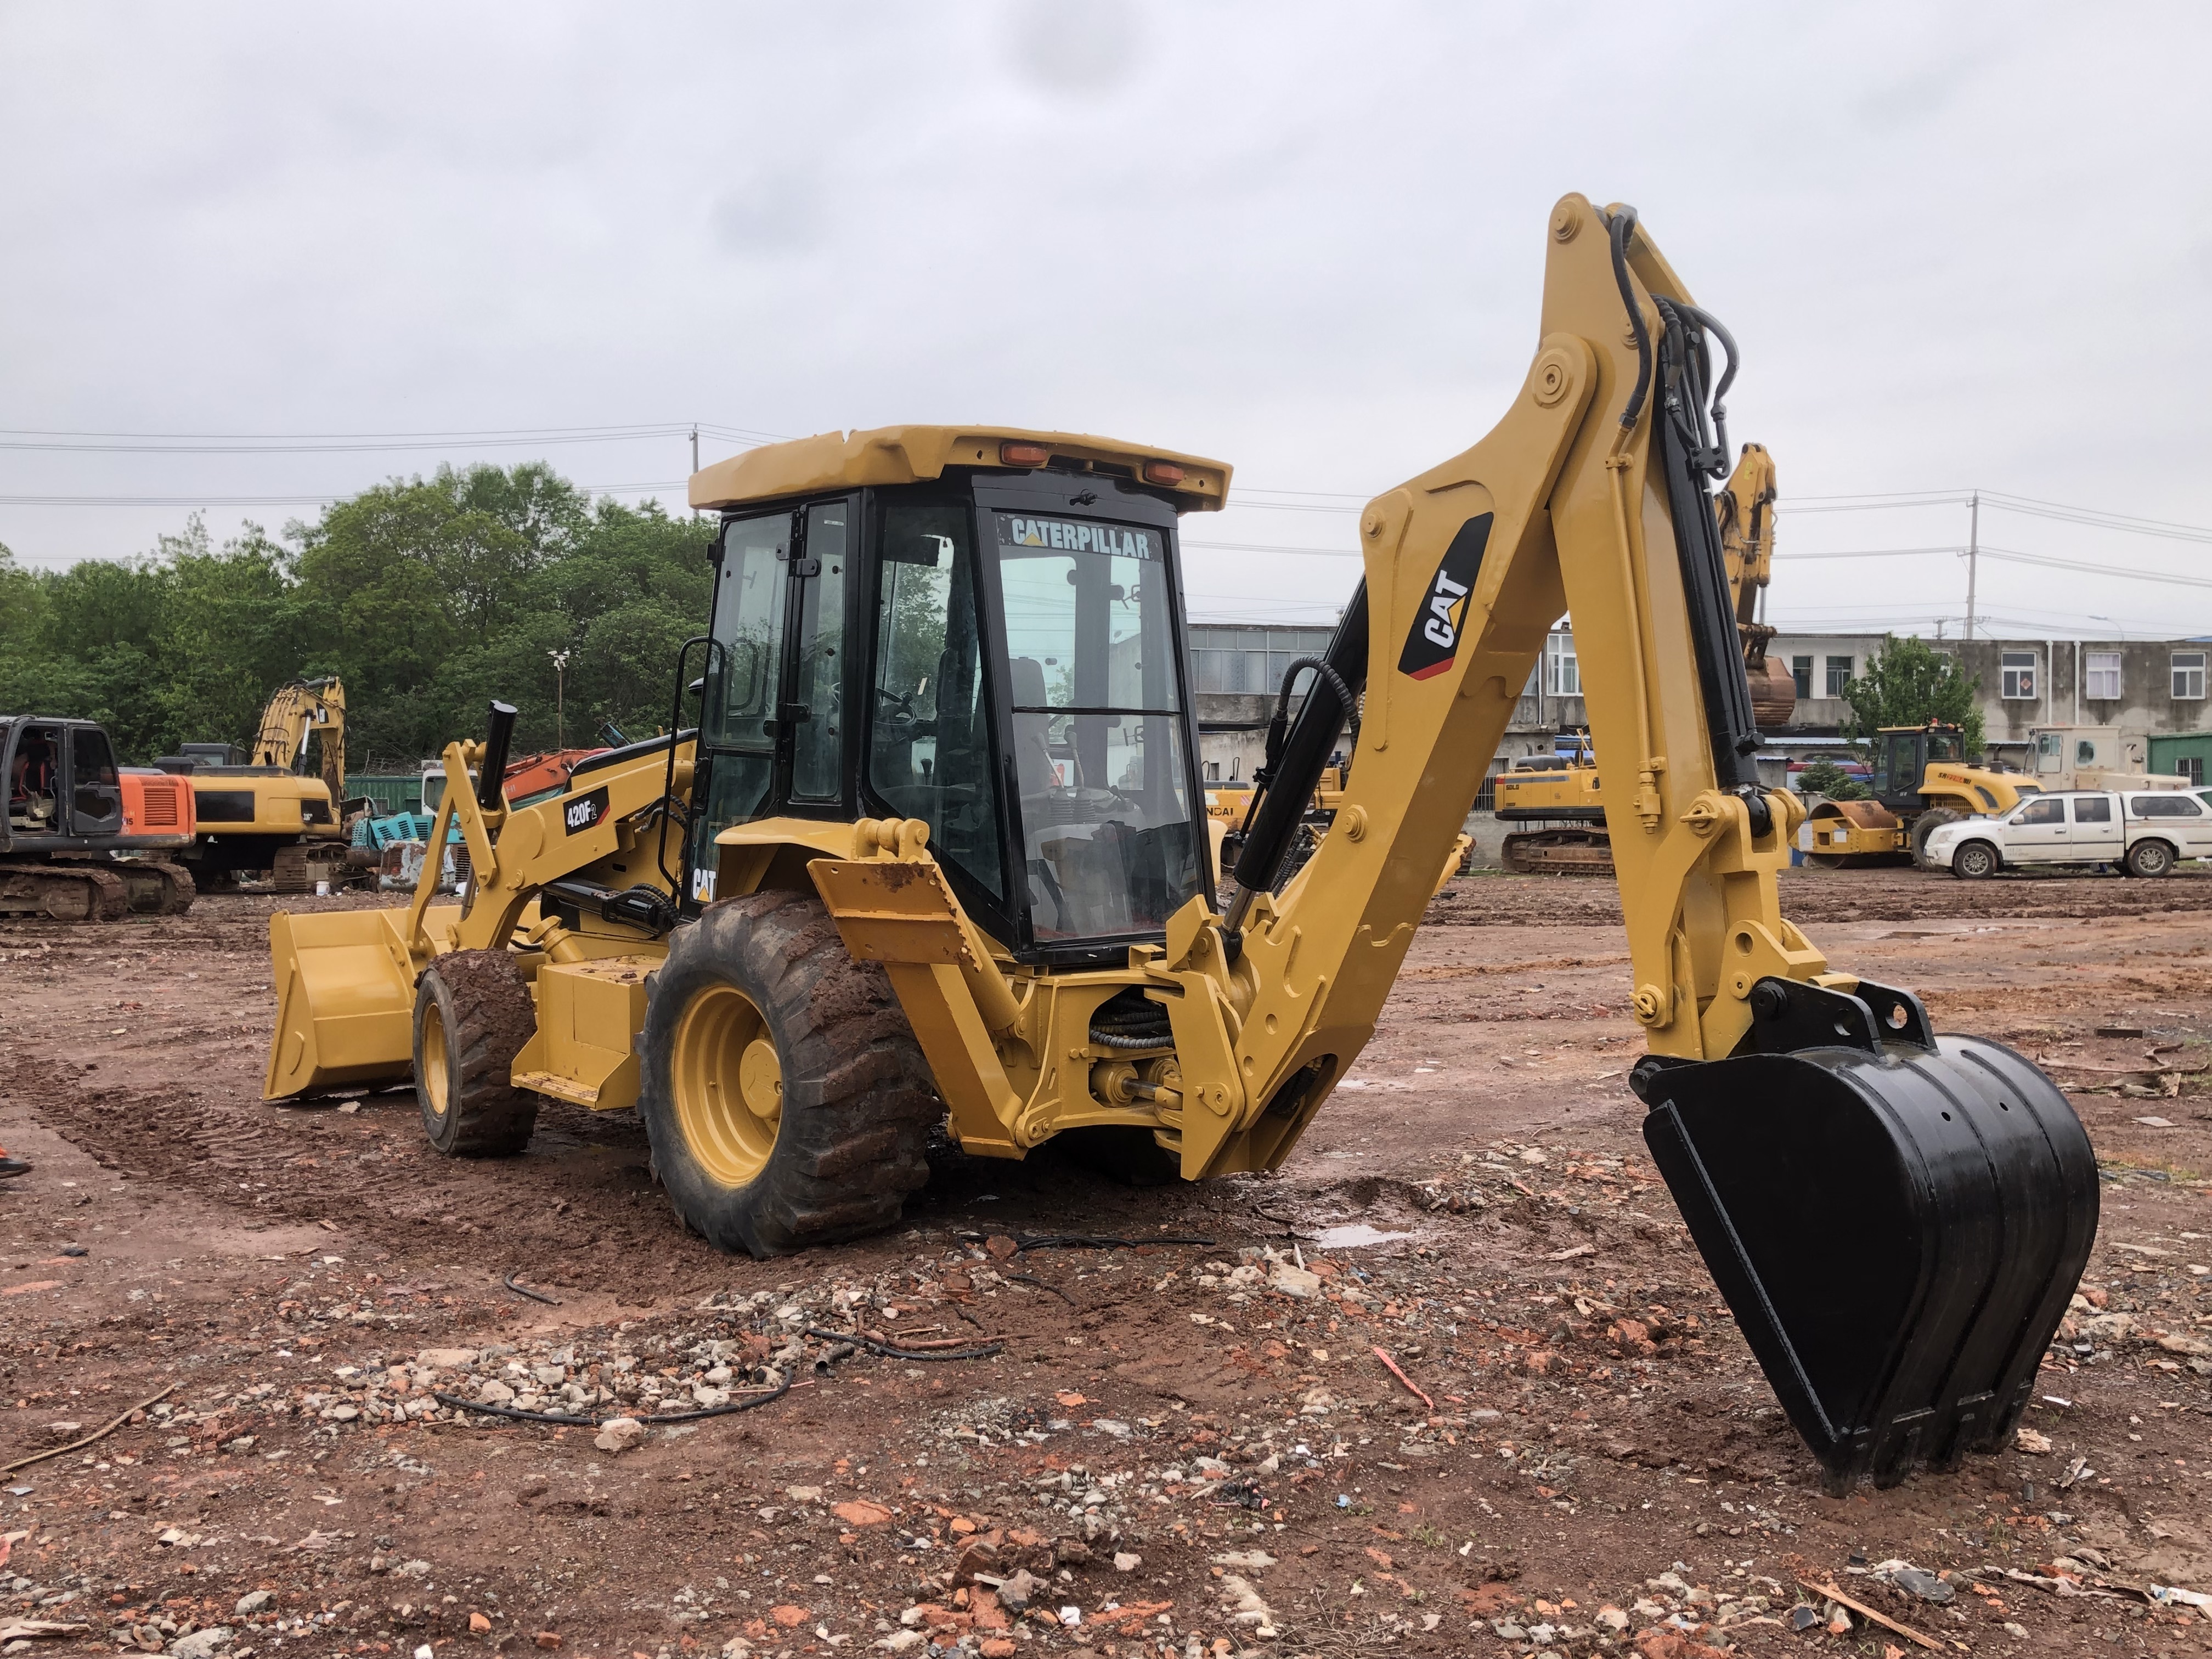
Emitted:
pixel 560 698
pixel 695 449
pixel 1973 553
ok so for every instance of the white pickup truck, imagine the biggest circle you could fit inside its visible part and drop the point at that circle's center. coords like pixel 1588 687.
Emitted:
pixel 2143 833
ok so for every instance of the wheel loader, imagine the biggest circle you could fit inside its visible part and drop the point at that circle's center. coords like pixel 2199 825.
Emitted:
pixel 931 852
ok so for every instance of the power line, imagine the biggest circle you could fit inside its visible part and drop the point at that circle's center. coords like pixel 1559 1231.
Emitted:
pixel 323 500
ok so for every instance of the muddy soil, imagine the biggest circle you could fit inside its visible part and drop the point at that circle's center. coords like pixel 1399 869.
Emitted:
pixel 1162 1450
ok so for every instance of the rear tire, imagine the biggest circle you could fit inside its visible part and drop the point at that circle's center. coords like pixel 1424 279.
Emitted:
pixel 1926 825
pixel 786 1100
pixel 2149 858
pixel 1975 862
pixel 473 1012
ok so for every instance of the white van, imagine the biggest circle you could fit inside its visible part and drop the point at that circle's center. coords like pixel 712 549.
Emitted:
pixel 2143 833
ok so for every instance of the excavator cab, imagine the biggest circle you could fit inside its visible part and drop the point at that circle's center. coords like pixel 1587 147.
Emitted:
pixel 997 652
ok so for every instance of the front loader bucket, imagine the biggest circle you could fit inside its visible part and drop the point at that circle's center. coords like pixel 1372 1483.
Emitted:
pixel 1897 1226
pixel 345 1000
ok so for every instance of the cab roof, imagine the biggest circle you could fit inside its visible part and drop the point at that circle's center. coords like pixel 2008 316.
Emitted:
pixel 916 454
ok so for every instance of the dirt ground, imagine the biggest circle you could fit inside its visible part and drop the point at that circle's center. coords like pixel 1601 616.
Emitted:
pixel 1163 1450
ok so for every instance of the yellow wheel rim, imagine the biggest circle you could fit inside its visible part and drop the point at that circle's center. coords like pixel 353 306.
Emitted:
pixel 435 1081
pixel 728 1084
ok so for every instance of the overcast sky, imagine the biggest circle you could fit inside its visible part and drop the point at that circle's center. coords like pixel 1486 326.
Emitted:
pixel 1962 246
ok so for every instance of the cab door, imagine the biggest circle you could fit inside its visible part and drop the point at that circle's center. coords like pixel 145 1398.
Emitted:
pixel 741 701
pixel 2094 832
pixel 773 727
pixel 95 791
pixel 2036 833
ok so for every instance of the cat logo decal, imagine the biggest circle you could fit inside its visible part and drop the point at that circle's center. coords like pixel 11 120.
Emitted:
pixel 1433 642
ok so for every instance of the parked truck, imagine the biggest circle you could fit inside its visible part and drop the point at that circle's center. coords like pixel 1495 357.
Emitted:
pixel 2138 832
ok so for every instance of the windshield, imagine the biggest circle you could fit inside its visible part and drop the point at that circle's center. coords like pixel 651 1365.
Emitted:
pixel 1109 843
pixel 1945 746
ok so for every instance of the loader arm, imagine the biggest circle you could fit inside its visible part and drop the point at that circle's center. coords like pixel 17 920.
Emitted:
pixel 345 979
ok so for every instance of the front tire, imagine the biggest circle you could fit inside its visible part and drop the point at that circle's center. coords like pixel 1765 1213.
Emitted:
pixel 786 1100
pixel 473 1012
pixel 1975 862
pixel 2149 858
pixel 1926 825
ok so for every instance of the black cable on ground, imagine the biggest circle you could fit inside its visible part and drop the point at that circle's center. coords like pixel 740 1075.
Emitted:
pixel 518 1415
pixel 524 1290
pixel 891 1351
pixel 1031 1279
pixel 1102 1242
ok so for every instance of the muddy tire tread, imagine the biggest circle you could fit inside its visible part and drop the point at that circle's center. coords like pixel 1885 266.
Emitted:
pixel 490 1016
pixel 858 1100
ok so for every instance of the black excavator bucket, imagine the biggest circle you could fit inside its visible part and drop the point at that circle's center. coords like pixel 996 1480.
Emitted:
pixel 1898 1220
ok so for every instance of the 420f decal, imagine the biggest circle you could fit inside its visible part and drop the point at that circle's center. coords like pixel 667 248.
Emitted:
pixel 1433 642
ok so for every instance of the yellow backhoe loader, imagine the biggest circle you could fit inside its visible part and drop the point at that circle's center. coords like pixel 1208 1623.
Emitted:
pixel 934 854
pixel 259 814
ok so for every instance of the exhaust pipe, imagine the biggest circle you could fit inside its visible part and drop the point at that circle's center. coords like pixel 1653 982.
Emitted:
pixel 491 780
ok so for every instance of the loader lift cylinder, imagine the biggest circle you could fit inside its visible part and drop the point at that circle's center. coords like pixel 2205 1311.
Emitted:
pixel 491 791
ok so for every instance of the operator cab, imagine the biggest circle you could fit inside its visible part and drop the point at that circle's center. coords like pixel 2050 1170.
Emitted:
pixel 62 779
pixel 982 631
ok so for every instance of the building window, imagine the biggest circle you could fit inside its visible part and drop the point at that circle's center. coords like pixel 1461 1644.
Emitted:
pixel 2189 675
pixel 1840 675
pixel 1563 674
pixel 2019 675
pixel 2102 676
pixel 2192 768
pixel 1801 670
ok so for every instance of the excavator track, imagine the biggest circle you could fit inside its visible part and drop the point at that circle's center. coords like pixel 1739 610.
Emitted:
pixel 1558 853
pixel 64 892
pixel 297 868
pixel 152 887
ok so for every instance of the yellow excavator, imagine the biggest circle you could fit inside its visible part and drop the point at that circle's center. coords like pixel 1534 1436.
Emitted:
pixel 261 816
pixel 933 854
pixel 1559 795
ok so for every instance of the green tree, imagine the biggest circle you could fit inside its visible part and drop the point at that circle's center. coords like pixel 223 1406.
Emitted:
pixel 1824 777
pixel 428 596
pixel 1908 683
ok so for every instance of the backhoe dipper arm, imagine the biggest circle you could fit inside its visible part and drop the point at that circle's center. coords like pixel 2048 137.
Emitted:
pixel 1896 1219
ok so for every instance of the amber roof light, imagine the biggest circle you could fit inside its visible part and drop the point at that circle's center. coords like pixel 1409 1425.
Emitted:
pixel 1163 473
pixel 1023 454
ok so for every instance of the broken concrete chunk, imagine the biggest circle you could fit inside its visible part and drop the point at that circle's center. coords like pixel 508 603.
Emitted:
pixel 618 1434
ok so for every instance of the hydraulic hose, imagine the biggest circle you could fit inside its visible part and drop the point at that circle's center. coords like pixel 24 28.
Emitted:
pixel 1275 819
pixel 1622 226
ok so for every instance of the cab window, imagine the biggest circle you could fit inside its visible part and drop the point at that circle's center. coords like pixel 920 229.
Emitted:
pixel 1945 746
pixel 929 732
pixel 2091 809
pixel 1109 843
pixel 2049 811
pixel 2165 806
